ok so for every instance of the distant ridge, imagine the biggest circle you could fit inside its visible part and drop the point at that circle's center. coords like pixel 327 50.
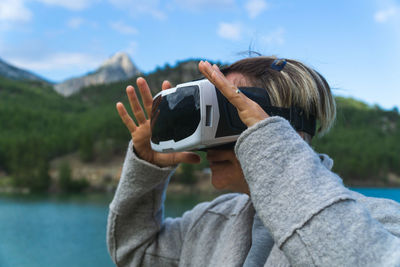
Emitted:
pixel 12 72
pixel 117 68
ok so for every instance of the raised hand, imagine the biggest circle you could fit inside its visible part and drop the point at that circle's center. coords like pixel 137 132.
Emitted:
pixel 141 132
pixel 249 111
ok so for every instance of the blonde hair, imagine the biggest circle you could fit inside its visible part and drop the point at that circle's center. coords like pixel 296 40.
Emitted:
pixel 294 85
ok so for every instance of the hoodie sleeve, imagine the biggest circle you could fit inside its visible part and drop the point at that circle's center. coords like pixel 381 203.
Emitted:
pixel 312 217
pixel 137 234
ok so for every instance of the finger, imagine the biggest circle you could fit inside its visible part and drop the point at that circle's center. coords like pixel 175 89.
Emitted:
pixel 135 106
pixel 166 85
pixel 228 89
pixel 146 95
pixel 176 158
pixel 215 76
pixel 126 119
pixel 188 157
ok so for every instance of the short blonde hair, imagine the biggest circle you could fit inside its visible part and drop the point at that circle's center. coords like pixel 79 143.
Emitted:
pixel 295 85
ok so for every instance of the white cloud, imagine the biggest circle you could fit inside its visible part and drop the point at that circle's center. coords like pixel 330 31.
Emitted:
pixel 201 4
pixel 385 15
pixel 141 7
pixel 75 22
pixel 123 28
pixel 276 37
pixel 48 61
pixel 256 7
pixel 58 61
pixel 69 4
pixel 230 31
pixel 14 11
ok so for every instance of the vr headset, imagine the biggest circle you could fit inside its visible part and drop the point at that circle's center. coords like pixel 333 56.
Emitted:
pixel 196 116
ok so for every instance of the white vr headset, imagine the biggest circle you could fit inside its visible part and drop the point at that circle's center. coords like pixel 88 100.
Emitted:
pixel 196 116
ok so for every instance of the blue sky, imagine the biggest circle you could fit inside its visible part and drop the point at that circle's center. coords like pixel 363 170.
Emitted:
pixel 355 44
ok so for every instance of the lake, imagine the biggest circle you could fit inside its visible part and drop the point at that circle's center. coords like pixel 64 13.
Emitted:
pixel 70 230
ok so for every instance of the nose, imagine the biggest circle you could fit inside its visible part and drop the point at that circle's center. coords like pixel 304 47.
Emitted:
pixel 211 153
pixel 217 155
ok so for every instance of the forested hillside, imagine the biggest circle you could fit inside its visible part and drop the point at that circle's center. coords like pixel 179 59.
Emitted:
pixel 364 143
pixel 38 125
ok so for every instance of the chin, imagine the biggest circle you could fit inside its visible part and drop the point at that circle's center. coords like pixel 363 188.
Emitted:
pixel 224 181
pixel 219 181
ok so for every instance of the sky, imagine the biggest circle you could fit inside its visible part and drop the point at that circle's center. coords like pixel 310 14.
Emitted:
pixel 354 44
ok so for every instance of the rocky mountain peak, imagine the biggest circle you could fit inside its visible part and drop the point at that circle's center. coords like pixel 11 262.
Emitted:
pixel 119 59
pixel 119 67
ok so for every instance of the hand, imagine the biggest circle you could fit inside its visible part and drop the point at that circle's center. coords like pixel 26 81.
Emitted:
pixel 249 111
pixel 141 132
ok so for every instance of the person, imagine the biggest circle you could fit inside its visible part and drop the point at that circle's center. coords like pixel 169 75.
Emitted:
pixel 289 208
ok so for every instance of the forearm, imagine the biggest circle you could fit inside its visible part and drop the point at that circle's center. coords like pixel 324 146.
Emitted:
pixel 135 214
pixel 304 204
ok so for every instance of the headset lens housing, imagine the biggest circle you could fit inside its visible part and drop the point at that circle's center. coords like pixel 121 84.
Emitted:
pixel 177 115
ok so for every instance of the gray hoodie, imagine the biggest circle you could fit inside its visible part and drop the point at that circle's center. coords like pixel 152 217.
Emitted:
pixel 311 217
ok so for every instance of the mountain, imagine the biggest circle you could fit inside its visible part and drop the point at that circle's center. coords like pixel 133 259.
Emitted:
pixel 117 68
pixel 14 73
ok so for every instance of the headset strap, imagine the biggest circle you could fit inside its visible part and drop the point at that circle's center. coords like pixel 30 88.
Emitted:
pixel 296 116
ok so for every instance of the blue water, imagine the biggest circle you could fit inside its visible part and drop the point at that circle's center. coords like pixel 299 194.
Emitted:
pixel 52 232
pixel 70 231
pixel 380 192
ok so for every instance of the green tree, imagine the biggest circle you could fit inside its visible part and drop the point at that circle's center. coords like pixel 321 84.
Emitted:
pixel 86 147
